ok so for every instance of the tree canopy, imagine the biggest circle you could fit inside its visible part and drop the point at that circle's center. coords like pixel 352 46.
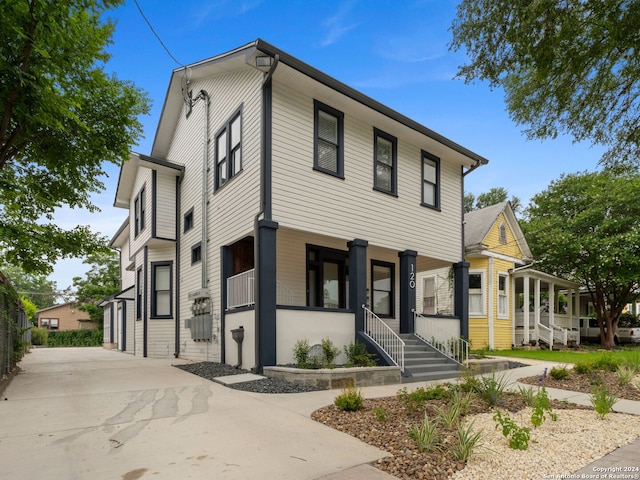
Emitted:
pixel 34 287
pixel 100 282
pixel 486 199
pixel 570 66
pixel 586 227
pixel 61 117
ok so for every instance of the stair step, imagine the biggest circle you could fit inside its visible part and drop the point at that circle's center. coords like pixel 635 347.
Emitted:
pixel 427 377
pixel 435 367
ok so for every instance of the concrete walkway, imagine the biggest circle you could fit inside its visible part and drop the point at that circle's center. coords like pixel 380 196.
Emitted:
pixel 90 413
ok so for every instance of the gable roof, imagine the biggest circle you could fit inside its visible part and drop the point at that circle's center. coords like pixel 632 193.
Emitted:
pixel 244 57
pixel 478 223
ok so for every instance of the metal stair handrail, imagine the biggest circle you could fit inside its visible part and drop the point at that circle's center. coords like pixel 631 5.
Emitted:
pixel 456 348
pixel 382 335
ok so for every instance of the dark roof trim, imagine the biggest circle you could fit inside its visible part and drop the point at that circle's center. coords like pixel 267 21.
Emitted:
pixel 360 97
pixel 163 163
pixel 122 228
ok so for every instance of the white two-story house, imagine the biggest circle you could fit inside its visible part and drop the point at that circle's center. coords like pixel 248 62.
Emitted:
pixel 283 204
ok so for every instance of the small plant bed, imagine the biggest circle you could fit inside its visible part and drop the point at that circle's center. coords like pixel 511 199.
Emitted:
pixel 429 432
pixel 621 380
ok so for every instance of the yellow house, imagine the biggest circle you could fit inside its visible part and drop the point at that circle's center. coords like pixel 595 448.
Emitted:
pixel 494 246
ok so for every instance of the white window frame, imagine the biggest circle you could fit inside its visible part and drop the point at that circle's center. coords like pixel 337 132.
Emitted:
pixel 503 313
pixel 502 233
pixel 482 293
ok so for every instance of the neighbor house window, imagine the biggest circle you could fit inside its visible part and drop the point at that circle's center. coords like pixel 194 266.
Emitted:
pixel 328 127
pixel 188 220
pixel 44 323
pixel 385 150
pixel 430 180
pixel 54 323
pixel 196 253
pixel 382 283
pixel 503 233
pixel 161 289
pixel 429 296
pixel 476 293
pixel 503 298
pixel 139 290
pixel 229 150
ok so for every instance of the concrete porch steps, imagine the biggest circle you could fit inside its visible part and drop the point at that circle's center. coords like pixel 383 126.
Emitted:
pixel 424 363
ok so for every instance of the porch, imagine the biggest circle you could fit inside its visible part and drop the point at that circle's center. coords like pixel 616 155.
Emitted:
pixel 546 309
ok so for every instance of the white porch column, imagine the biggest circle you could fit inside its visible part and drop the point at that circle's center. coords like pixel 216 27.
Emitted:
pixel 513 302
pixel 552 304
pixel 490 313
pixel 536 306
pixel 525 308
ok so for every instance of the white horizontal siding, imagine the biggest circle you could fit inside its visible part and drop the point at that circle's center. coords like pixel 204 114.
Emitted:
pixel 139 324
pixel 309 200
pixel 143 179
pixel 160 331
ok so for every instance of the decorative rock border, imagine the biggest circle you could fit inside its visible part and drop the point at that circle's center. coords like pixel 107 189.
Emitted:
pixel 335 378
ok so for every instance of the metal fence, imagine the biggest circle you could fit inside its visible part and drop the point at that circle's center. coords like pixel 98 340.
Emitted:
pixel 14 333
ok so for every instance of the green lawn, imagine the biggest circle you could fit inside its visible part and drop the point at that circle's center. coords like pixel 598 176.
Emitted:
pixel 569 356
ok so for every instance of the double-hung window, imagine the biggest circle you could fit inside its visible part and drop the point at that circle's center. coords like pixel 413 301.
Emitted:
pixel 382 283
pixel 430 180
pixel 229 150
pixel 503 298
pixel 328 148
pixel 139 296
pixel 385 150
pixel 161 290
pixel 139 212
pixel 476 293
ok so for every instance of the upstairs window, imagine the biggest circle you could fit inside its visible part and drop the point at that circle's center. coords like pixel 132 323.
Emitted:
pixel 139 291
pixel 503 233
pixel 229 150
pixel 430 180
pixel 188 220
pixel 328 155
pixel 196 253
pixel 385 162
pixel 139 212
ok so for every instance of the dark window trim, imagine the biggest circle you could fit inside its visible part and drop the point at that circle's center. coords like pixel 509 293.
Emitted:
pixel 392 266
pixel 139 293
pixel 394 161
pixel 423 181
pixel 318 107
pixel 330 254
pixel 139 211
pixel 153 288
pixel 184 220
pixel 229 167
pixel 197 246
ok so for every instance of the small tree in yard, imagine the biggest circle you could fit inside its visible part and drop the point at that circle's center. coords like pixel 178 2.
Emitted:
pixel 586 227
pixel 100 282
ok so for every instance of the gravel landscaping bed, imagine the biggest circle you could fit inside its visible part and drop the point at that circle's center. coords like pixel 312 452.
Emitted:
pixel 211 370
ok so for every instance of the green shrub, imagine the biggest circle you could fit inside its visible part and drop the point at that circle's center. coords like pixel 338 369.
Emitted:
pixel 380 413
pixel 301 353
pixel 517 436
pixel 625 375
pixel 349 400
pixel 541 404
pixel 466 442
pixel 329 353
pixel 602 401
pixel 491 387
pixel 632 361
pixel 606 362
pixel 583 368
pixel 528 395
pixel 357 355
pixel 39 336
pixel 558 373
pixel 74 338
pixel 416 399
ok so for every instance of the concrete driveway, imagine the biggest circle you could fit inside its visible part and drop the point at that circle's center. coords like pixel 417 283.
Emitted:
pixel 90 413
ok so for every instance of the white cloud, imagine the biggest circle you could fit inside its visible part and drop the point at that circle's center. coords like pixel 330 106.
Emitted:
pixel 336 25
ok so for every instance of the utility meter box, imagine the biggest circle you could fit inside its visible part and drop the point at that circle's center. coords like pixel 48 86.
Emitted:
pixel 201 322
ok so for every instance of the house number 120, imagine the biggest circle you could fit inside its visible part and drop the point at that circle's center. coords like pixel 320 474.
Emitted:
pixel 412 277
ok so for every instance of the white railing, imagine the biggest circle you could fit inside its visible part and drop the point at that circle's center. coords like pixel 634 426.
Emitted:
pixel 563 334
pixel 380 333
pixel 546 334
pixel 241 289
pixel 441 339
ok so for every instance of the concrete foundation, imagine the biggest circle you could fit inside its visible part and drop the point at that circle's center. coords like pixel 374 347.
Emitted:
pixel 337 378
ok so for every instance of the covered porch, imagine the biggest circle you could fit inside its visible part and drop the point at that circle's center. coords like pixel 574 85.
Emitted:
pixel 546 309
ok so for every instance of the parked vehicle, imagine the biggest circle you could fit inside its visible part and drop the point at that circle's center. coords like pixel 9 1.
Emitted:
pixel 628 330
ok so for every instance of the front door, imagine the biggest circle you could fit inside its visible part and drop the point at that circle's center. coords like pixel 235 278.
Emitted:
pixel 326 277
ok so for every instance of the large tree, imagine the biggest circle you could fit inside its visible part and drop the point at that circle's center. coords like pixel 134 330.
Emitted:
pixel 61 117
pixel 101 281
pixel 570 66
pixel 35 287
pixel 486 199
pixel 586 227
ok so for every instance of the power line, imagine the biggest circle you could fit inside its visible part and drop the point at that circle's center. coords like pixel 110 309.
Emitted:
pixel 156 35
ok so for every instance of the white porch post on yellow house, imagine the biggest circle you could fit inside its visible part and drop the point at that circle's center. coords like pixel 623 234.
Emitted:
pixel 536 307
pixel 552 304
pixel 490 314
pixel 525 308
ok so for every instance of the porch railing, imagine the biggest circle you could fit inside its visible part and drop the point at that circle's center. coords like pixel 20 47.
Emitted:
pixel 241 291
pixel 380 333
pixel 455 348
pixel 545 333
pixel 563 334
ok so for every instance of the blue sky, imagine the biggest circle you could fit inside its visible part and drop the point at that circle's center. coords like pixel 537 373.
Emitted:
pixel 395 51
